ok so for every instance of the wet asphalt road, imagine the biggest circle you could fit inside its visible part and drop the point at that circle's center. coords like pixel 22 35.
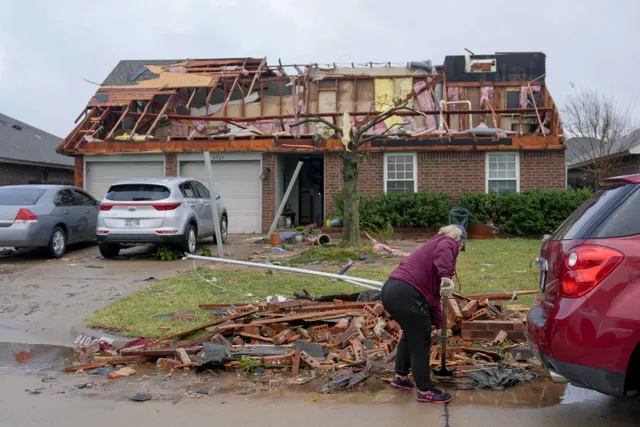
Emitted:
pixel 41 301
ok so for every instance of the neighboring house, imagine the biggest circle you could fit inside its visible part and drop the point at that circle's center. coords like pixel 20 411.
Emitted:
pixel 624 152
pixel 156 117
pixel 28 155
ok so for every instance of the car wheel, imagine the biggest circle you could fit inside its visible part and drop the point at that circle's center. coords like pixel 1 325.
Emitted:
pixel 109 250
pixel 57 242
pixel 224 230
pixel 190 240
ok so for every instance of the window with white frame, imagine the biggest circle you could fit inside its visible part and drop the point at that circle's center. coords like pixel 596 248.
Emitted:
pixel 503 172
pixel 400 173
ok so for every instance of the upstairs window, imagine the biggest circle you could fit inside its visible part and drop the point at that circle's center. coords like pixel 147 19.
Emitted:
pixel 400 173
pixel 503 172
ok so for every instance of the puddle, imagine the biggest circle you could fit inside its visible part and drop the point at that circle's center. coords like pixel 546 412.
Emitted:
pixel 19 357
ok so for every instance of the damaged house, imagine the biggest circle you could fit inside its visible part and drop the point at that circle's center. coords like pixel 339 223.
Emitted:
pixel 483 123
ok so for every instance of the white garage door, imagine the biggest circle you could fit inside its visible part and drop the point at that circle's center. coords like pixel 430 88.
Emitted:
pixel 238 184
pixel 100 175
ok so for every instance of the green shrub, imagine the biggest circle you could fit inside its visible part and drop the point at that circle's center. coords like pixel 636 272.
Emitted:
pixel 400 210
pixel 526 213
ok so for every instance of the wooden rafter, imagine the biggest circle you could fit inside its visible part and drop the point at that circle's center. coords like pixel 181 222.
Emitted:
pixel 155 123
pixel 193 95
pixel 146 108
pixel 233 86
pixel 256 75
pixel 113 129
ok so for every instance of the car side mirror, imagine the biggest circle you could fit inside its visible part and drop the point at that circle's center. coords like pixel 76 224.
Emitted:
pixel 218 197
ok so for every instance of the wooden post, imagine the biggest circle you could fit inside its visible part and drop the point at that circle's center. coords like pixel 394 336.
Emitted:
pixel 113 129
pixel 146 108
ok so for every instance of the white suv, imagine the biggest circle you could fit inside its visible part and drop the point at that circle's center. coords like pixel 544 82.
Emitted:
pixel 159 211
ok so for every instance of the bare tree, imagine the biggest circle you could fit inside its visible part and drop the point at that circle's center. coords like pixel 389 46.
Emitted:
pixel 604 132
pixel 353 136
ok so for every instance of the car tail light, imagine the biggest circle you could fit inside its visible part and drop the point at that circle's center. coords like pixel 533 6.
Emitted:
pixel 106 206
pixel 585 267
pixel 166 206
pixel 25 215
pixel 103 232
pixel 166 231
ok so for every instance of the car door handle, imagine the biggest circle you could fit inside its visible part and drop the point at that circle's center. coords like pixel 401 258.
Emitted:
pixel 207 205
pixel 88 211
pixel 192 205
pixel 66 212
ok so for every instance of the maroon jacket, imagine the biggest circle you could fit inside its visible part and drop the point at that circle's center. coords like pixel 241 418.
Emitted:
pixel 424 268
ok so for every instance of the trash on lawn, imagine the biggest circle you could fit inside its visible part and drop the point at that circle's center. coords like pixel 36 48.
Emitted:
pixel 339 335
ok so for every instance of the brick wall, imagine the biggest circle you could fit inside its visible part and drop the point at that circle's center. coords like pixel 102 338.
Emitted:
pixel 451 172
pixel 171 164
pixel 14 174
pixel 78 172
pixel 542 169
pixel 269 191
pixel 370 177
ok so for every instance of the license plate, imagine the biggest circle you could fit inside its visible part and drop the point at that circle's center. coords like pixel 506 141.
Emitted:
pixel 130 223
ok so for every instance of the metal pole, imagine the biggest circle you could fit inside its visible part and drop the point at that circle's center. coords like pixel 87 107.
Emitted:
pixel 214 203
pixel 355 280
pixel 285 198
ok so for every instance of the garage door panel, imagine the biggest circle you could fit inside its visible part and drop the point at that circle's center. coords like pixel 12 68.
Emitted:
pixel 238 184
pixel 100 175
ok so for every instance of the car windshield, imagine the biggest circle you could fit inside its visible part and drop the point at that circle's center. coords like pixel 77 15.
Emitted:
pixel 137 192
pixel 20 196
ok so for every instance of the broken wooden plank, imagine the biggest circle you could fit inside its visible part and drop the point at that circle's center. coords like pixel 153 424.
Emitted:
pixel 305 316
pixel 208 325
pixel 295 370
pixel 183 356
pixel 85 367
pixel 500 338
pixel 256 337
pixel 496 295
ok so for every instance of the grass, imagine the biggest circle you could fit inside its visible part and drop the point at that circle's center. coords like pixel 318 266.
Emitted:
pixel 486 266
pixel 330 254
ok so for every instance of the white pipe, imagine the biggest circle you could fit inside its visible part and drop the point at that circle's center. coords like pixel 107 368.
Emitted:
pixel 443 102
pixel 355 280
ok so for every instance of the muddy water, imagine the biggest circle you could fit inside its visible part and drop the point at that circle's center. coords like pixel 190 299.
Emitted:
pixel 19 357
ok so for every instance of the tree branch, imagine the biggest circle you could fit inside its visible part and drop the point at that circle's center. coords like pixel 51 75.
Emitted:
pixel 316 119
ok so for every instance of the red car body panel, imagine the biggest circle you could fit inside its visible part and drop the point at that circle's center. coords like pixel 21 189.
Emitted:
pixel 592 336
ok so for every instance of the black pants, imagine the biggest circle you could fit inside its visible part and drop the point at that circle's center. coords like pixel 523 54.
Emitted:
pixel 410 309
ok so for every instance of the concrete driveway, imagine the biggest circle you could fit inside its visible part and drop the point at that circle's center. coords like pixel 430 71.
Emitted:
pixel 44 300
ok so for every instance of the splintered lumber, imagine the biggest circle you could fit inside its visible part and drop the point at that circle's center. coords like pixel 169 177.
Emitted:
pixel 306 316
pixel 496 295
pixel 85 367
pixel 208 325
pixel 500 338
pixel 161 352
pixel 255 337
pixel 183 356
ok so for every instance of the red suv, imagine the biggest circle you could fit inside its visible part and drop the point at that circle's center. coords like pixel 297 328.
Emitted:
pixel 585 325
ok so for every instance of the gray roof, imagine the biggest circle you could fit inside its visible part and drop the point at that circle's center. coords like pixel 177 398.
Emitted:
pixel 23 143
pixel 575 156
pixel 122 74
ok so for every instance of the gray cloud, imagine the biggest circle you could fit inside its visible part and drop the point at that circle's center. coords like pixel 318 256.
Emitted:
pixel 47 48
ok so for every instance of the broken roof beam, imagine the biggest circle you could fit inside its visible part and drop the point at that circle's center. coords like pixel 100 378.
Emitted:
pixel 135 127
pixel 193 95
pixel 233 86
pixel 113 129
pixel 257 74
pixel 155 123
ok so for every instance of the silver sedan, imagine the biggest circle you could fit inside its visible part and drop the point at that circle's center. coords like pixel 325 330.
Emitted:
pixel 47 216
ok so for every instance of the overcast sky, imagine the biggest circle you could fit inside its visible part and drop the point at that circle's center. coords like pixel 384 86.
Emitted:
pixel 48 47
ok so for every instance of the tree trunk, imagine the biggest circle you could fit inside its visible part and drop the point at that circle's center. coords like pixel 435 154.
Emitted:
pixel 351 220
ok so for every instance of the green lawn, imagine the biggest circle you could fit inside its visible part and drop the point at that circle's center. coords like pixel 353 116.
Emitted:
pixel 510 266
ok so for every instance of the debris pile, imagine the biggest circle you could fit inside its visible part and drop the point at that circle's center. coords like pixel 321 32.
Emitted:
pixel 348 340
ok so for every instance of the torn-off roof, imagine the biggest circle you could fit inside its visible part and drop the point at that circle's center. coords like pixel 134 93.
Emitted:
pixel 122 74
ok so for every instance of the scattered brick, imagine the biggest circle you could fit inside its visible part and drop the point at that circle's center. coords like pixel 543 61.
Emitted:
pixel 282 337
pixel 470 308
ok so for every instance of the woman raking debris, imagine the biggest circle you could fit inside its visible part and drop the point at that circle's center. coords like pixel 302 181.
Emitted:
pixel 412 297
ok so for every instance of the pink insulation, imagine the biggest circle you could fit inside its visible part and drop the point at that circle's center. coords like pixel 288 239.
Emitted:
pixel 487 94
pixel 454 94
pixel 425 102
pixel 524 94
